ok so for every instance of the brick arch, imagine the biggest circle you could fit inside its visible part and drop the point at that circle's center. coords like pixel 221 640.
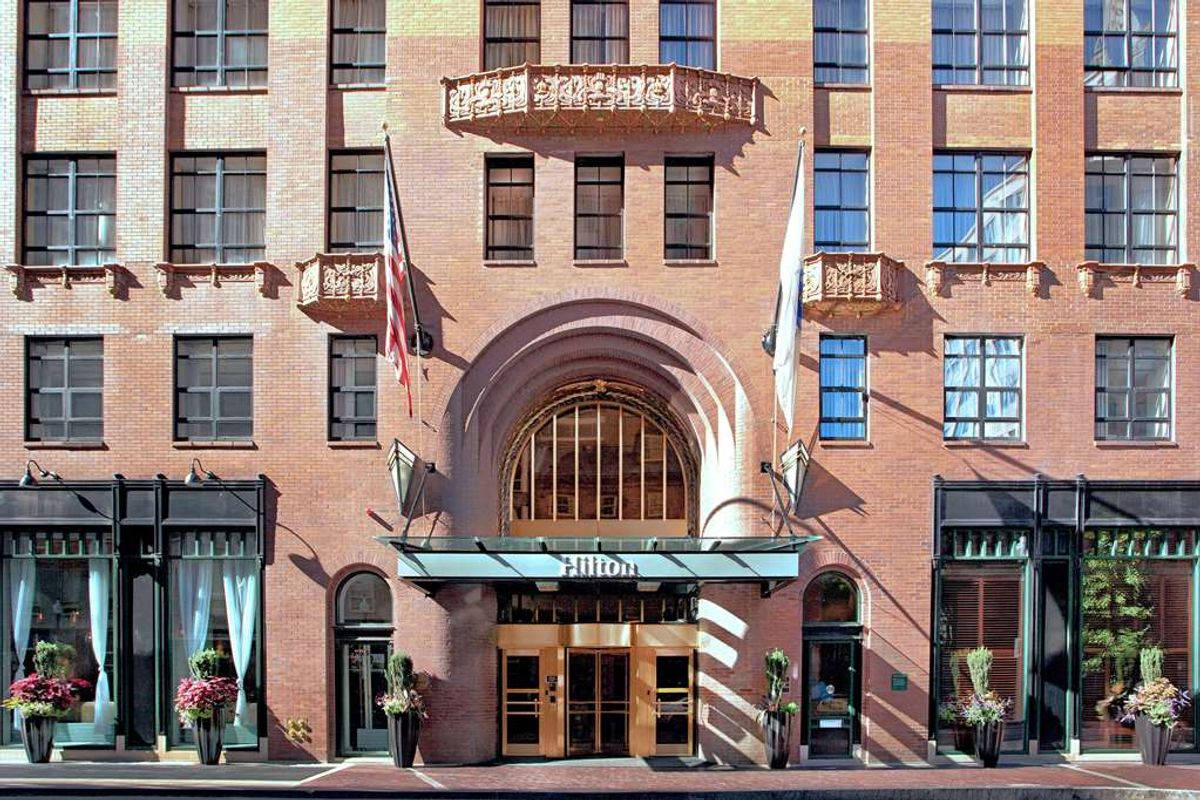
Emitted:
pixel 369 564
pixel 821 557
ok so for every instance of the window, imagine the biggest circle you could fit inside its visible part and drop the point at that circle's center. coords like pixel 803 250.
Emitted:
pixel 599 207
pixel 1131 209
pixel 65 384
pixel 351 388
pixel 356 202
pixel 599 32
pixel 359 41
pixel 687 33
pixel 982 387
pixel 509 208
pixel 840 204
pixel 688 183
pixel 71 44
pixel 220 43
pixel 218 208
pixel 1130 43
pixel 213 394
pixel 840 41
pixel 981 207
pixel 512 33
pixel 830 598
pixel 70 210
pixel 981 41
pixel 843 387
pixel 1133 388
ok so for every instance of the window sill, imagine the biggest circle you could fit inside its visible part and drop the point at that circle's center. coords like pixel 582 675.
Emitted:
pixel 1009 444
pixel 66 444
pixel 844 87
pixel 846 444
pixel 358 87
pixel 600 263
pixel 502 262
pixel 987 88
pixel 1167 90
pixel 1134 444
pixel 703 263
pixel 69 92
pixel 215 444
pixel 352 444
pixel 219 89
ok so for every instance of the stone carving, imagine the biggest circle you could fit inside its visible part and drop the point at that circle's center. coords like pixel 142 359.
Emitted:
pixel 169 275
pixel 22 278
pixel 1179 276
pixel 857 282
pixel 328 278
pixel 937 273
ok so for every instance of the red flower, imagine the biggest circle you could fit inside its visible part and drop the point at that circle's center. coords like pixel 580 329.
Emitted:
pixel 199 697
pixel 34 688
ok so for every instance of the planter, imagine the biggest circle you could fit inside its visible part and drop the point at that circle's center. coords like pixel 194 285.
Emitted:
pixel 37 733
pixel 964 739
pixel 1154 741
pixel 777 729
pixel 988 738
pixel 403 731
pixel 210 735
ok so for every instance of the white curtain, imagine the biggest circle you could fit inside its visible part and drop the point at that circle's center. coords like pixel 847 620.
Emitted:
pixel 241 609
pixel 195 602
pixel 22 579
pixel 99 595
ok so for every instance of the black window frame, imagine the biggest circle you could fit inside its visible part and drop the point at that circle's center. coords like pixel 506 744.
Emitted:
pixel 339 245
pixel 603 37
pixel 688 38
pixel 1132 390
pixel 73 213
pixel 214 390
pixel 864 390
pixel 222 32
pixel 982 418
pixel 1128 164
pixel 491 40
pixel 1094 72
pixel 978 246
pixel 104 72
pixel 355 389
pixel 841 244
pixel 835 72
pixel 498 162
pixel 584 162
pixel 690 250
pixel 981 69
pixel 219 210
pixel 67 392
pixel 364 71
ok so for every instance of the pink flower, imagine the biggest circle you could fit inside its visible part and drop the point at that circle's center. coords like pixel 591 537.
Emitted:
pixel 199 697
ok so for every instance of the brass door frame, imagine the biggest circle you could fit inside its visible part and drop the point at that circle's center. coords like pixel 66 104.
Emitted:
pixel 673 749
pixel 507 749
pixel 599 708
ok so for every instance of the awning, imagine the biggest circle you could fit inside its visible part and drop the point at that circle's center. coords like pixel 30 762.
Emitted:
pixel 510 558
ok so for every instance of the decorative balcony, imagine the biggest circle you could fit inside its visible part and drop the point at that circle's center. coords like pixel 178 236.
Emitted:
pixel 1180 276
pixel 339 280
pixel 172 277
pixel 599 97
pixel 22 279
pixel 857 283
pixel 938 274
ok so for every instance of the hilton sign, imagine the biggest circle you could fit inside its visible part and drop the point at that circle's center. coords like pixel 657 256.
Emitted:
pixel 596 567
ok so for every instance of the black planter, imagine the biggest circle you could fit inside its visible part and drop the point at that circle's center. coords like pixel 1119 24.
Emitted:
pixel 1154 741
pixel 777 730
pixel 37 733
pixel 988 738
pixel 403 732
pixel 964 739
pixel 210 735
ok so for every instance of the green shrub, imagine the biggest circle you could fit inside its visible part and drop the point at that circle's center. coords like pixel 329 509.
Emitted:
pixel 979 664
pixel 399 673
pixel 205 664
pixel 52 659
pixel 1151 663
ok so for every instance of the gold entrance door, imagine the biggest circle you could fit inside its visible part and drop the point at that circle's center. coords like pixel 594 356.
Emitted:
pixel 597 702
pixel 673 702
pixel 520 728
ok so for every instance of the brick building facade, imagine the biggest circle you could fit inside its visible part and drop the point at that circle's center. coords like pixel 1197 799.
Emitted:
pixel 1025 220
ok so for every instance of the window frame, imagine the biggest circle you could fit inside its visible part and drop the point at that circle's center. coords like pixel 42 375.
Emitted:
pixel 73 212
pixel 864 390
pixel 840 66
pixel 219 209
pixel 687 38
pixel 221 67
pixel 1131 390
pixel 841 245
pixel 981 418
pixel 494 161
pixel 331 209
pixel 214 391
pixel 65 391
pixel 979 210
pixel 1128 211
pixel 1094 73
pixel 603 38
pixel 332 420
pixel 689 161
pixel 73 36
pixel 599 161
pixel 488 39
pixel 356 30
pixel 979 34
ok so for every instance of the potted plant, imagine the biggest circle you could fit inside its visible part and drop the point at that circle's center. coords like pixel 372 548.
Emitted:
pixel 43 697
pixel 1154 708
pixel 201 701
pixel 950 716
pixel 985 711
pixel 404 708
pixel 777 715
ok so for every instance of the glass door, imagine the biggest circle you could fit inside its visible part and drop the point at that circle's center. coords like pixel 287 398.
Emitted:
pixel 597 702
pixel 522 704
pixel 831 670
pixel 362 724
pixel 673 710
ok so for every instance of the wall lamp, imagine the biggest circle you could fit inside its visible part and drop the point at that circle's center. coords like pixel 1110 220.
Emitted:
pixel 194 476
pixel 28 480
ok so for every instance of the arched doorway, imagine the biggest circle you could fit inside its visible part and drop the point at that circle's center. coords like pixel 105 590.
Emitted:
pixel 363 636
pixel 832 666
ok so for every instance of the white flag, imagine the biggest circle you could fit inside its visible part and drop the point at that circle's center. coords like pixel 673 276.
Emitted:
pixel 791 278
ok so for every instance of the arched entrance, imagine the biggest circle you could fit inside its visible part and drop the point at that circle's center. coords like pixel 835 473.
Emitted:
pixel 363 636
pixel 832 666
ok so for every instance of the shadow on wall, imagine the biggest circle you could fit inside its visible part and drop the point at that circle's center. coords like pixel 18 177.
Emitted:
pixel 894 722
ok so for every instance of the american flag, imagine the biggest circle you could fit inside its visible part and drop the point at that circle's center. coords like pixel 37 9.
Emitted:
pixel 395 256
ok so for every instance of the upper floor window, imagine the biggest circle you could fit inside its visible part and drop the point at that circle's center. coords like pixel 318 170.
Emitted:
pixel 1133 387
pixel 843 369
pixel 840 50
pixel 352 388
pixel 218 209
pixel 214 379
pixel 1130 43
pixel 981 207
pixel 687 33
pixel 70 210
pixel 688 205
pixel 65 387
pixel 599 207
pixel 359 42
pixel 840 201
pixel 220 43
pixel 982 387
pixel 1132 209
pixel 512 33
pixel 599 32
pixel 356 202
pixel 509 208
pixel 71 44
pixel 981 42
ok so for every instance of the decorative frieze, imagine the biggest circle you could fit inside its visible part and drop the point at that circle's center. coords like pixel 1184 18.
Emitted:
pixel 853 282
pixel 22 278
pixel 939 273
pixel 339 278
pixel 170 276
pixel 1180 276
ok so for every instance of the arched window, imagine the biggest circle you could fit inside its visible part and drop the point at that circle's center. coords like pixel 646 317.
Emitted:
pixel 364 599
pixel 593 461
pixel 831 597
